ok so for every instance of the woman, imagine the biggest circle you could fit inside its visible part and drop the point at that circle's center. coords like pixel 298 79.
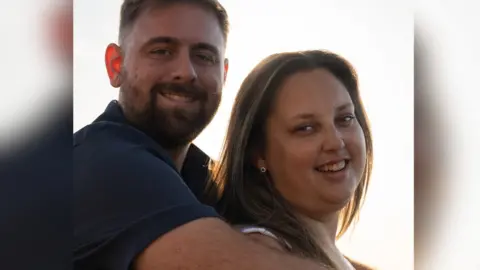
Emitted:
pixel 297 157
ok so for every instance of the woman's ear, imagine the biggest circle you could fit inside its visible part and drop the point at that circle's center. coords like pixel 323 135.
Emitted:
pixel 259 162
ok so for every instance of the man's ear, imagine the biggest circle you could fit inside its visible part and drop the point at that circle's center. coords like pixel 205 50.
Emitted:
pixel 113 63
pixel 225 71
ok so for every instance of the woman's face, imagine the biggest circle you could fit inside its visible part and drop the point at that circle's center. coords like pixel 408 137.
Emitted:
pixel 315 148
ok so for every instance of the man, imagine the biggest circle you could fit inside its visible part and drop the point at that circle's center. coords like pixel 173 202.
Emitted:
pixel 133 210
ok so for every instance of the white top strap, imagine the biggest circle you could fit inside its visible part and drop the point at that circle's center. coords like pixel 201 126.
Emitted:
pixel 249 229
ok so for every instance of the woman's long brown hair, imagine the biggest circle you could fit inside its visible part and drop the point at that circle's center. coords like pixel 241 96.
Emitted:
pixel 246 196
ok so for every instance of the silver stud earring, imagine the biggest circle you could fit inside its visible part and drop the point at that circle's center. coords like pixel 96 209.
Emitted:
pixel 263 169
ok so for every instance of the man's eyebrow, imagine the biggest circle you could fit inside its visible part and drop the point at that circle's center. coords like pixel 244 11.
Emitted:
pixel 156 40
pixel 171 40
pixel 206 46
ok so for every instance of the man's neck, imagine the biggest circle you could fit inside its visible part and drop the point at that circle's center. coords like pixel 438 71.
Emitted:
pixel 179 155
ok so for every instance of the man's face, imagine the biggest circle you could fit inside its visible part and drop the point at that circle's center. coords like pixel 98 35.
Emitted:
pixel 172 72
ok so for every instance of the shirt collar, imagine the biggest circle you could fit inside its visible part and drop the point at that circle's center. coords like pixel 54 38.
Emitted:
pixel 195 171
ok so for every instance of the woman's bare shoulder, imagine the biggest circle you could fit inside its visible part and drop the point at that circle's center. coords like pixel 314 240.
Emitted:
pixel 266 241
pixel 264 237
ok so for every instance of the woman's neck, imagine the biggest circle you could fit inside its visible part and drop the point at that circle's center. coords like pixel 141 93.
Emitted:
pixel 324 232
pixel 324 229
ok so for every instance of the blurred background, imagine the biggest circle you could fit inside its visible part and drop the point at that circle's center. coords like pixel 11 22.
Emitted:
pixel 35 134
pixel 447 128
pixel 382 39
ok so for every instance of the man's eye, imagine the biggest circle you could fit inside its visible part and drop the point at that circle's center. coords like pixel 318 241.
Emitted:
pixel 162 52
pixel 207 58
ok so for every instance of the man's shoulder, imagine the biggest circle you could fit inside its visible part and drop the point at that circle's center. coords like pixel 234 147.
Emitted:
pixel 124 186
pixel 127 193
pixel 109 131
pixel 121 159
pixel 103 141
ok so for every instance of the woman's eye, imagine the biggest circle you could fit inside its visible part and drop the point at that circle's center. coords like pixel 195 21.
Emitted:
pixel 347 119
pixel 305 128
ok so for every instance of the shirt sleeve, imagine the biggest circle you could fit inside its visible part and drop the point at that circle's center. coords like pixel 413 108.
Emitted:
pixel 124 199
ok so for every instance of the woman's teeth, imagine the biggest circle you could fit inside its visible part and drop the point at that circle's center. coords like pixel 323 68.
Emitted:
pixel 333 167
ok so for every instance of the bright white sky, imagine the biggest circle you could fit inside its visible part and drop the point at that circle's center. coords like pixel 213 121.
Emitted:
pixel 377 39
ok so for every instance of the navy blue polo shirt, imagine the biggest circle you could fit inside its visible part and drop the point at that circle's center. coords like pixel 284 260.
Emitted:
pixel 128 193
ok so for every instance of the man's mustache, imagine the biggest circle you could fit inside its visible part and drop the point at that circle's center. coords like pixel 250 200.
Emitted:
pixel 188 90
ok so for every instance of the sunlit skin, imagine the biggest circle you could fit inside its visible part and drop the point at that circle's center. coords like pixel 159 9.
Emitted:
pixel 171 69
pixel 313 122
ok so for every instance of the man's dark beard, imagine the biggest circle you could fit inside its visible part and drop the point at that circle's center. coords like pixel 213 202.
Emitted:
pixel 171 128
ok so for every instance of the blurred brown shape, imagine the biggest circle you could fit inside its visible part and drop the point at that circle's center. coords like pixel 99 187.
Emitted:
pixel 430 121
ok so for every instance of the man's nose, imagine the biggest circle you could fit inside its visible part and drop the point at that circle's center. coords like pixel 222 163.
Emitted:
pixel 184 69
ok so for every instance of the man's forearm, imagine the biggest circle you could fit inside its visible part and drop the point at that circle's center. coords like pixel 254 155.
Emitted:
pixel 212 244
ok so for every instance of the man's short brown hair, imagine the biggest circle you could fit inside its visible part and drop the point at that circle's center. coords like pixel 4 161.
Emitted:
pixel 131 9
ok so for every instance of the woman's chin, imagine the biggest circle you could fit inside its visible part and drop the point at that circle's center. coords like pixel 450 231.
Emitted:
pixel 338 200
pixel 326 206
pixel 338 194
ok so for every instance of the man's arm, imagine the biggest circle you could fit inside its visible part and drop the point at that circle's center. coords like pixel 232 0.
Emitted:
pixel 133 209
pixel 210 243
